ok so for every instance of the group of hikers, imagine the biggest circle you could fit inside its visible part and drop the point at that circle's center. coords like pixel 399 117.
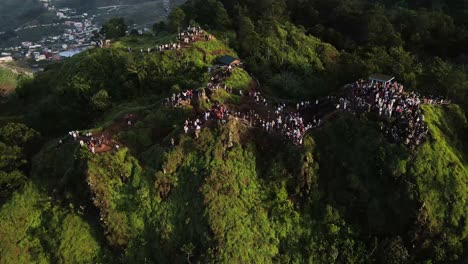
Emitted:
pixel 92 143
pixel 399 109
pixel 188 36
pixel 283 122
pixel 288 124
pixel 192 34
pixel 180 99
pixel 162 47
pixel 216 81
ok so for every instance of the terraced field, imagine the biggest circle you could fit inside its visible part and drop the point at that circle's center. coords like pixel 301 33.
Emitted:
pixel 8 81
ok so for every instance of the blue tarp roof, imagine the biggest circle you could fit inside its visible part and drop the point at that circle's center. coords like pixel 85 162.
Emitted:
pixel 71 53
pixel 226 60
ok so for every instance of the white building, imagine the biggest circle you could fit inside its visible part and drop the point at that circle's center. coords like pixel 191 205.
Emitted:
pixel 26 44
pixel 40 58
pixel 6 59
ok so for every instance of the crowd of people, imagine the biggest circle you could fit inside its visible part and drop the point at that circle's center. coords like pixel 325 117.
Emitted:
pixel 217 113
pixel 216 81
pixel 190 35
pixel 288 124
pixel 179 99
pixel 92 143
pixel 399 109
pixel 305 104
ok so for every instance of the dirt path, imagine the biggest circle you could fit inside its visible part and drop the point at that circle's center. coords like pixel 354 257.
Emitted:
pixel 108 143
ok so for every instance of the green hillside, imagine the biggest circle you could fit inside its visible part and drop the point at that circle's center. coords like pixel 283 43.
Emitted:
pixel 203 195
pixel 129 155
pixel 8 81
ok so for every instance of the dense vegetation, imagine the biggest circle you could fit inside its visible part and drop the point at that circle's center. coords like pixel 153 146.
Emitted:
pixel 373 36
pixel 237 194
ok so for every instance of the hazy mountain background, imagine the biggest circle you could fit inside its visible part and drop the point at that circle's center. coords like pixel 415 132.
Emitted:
pixel 15 13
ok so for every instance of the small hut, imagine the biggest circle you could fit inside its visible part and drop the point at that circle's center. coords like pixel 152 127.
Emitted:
pixel 228 60
pixel 381 78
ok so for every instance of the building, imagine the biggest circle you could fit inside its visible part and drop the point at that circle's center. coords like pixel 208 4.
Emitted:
pixel 228 60
pixel 40 57
pixel 381 78
pixel 26 44
pixel 6 59
pixel 71 53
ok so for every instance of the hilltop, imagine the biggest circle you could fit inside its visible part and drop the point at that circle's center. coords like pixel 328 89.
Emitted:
pixel 232 182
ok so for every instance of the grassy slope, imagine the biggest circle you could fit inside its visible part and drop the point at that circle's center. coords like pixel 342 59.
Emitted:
pixel 36 230
pixel 387 188
pixel 251 202
pixel 440 169
pixel 143 42
pixel 8 80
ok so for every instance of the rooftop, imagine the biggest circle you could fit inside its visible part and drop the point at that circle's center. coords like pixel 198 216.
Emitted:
pixel 381 77
pixel 227 60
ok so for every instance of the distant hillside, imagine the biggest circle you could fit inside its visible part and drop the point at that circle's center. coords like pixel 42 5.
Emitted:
pixel 143 13
pixel 97 3
pixel 8 81
pixel 31 12
pixel 15 13
pixel 91 4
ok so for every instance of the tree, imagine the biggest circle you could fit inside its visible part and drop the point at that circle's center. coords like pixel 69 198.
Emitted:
pixel 134 32
pixel 114 28
pixel 249 39
pixel 381 31
pixel 176 19
pixel 101 100
pixel 18 134
pixel 14 139
pixel 188 249
pixel 159 27
pixel 221 17
pixel 394 252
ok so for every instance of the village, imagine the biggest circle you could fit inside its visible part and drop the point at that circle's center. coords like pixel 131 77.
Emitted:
pixel 77 36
